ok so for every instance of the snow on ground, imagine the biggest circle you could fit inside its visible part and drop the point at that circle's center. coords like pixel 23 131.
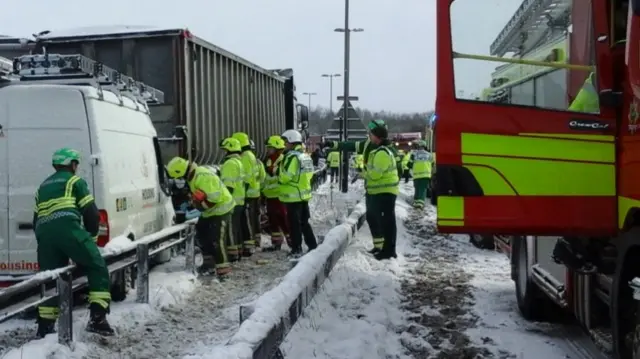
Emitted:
pixel 169 285
pixel 187 320
pixel 441 298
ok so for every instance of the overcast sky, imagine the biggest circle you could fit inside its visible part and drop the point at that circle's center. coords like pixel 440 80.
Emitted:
pixel 392 61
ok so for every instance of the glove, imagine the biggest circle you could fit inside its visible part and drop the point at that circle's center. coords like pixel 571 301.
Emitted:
pixel 328 144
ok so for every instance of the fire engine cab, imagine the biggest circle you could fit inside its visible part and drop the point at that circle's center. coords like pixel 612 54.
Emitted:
pixel 521 157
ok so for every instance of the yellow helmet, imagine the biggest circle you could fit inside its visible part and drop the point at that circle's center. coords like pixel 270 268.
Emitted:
pixel 230 145
pixel 242 137
pixel 177 167
pixel 276 142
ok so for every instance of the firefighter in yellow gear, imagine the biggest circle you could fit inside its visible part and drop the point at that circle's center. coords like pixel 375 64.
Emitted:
pixel 333 160
pixel 420 164
pixel 294 176
pixel 382 181
pixel 251 168
pixel 232 175
pixel 277 212
pixel 406 174
pixel 216 204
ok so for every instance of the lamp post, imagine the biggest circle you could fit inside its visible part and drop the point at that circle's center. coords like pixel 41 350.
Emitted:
pixel 331 76
pixel 344 180
pixel 309 94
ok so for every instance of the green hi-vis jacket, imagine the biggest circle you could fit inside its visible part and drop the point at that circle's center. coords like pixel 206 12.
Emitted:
pixel 216 192
pixel 252 173
pixel 232 175
pixel 382 172
pixel 294 175
pixel 334 159
pixel 61 195
pixel 420 163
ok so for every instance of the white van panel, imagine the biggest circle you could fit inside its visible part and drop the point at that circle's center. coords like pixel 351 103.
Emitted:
pixel 4 187
pixel 127 184
pixel 39 120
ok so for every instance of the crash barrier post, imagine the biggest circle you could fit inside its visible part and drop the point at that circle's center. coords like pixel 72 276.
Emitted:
pixel 266 322
pixel 61 283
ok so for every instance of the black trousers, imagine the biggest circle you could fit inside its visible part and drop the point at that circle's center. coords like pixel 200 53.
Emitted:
pixel 212 233
pixel 383 212
pixel 298 215
pixel 334 174
pixel 241 232
pixel 253 219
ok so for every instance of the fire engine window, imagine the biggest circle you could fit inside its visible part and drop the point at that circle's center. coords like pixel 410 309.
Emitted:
pixel 551 90
pixel 523 94
pixel 518 55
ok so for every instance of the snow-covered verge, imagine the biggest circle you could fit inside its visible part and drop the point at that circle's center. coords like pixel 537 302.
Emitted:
pixel 169 286
pixel 274 305
pixel 441 298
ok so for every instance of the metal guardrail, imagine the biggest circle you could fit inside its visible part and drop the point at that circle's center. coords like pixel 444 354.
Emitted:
pixel 269 346
pixel 68 281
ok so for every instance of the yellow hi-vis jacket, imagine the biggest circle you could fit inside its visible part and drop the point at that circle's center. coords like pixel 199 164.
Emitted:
pixel 334 159
pixel 294 175
pixel 217 195
pixel 382 172
pixel 271 187
pixel 587 98
pixel 232 175
pixel 252 173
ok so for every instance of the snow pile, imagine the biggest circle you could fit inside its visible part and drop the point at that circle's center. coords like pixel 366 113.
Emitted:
pixel 441 298
pixel 272 306
pixel 169 286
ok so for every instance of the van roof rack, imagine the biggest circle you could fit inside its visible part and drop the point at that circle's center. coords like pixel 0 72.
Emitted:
pixel 6 69
pixel 80 70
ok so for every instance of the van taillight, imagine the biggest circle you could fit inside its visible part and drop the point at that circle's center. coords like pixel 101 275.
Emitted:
pixel 103 228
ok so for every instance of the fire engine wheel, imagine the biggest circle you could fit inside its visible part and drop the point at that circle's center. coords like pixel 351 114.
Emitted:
pixel 482 242
pixel 532 303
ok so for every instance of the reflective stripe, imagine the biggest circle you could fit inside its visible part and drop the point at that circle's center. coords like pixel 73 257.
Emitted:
pixel 50 313
pixel 101 298
pixel 85 201
pixel 56 215
pixel 67 201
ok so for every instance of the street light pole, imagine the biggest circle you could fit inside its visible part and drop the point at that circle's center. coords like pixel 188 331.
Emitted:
pixel 309 94
pixel 331 76
pixel 344 180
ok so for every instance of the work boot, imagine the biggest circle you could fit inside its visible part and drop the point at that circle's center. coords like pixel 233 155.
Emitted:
pixel 98 321
pixel 208 265
pixel 45 327
pixel 374 250
pixel 382 255
pixel 295 254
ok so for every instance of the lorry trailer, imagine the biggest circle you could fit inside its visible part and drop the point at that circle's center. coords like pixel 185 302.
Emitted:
pixel 208 91
pixel 519 161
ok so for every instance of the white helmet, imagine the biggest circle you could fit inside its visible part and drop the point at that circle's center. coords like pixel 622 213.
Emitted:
pixel 292 136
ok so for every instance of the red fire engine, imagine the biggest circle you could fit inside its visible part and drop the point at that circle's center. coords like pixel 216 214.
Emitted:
pixel 513 159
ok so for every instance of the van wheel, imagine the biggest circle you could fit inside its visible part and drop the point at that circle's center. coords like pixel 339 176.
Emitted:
pixel 533 304
pixel 121 285
pixel 482 242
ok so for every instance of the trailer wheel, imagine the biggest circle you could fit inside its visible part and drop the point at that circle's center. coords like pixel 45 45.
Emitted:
pixel 482 242
pixel 533 304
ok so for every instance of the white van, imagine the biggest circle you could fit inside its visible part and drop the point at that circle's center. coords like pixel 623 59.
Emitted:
pixel 121 162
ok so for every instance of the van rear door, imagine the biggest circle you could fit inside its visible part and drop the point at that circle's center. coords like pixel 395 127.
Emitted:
pixel 41 119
